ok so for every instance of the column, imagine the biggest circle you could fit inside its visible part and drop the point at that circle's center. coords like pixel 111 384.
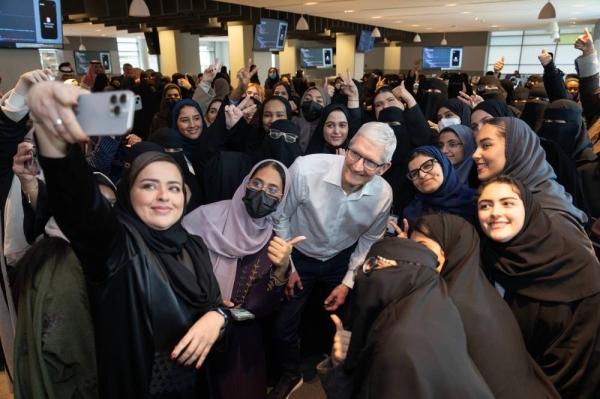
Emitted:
pixel 347 57
pixel 240 48
pixel 179 52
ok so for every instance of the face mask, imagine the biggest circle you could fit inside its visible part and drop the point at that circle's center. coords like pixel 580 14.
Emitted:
pixel 444 123
pixel 311 110
pixel 258 204
pixel 337 86
pixel 172 102
pixel 272 75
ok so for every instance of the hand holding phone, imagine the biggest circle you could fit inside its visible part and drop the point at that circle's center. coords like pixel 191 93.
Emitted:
pixel 106 113
pixel 240 314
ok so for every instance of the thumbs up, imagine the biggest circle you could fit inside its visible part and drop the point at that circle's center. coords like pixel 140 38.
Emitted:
pixel 544 57
pixel 341 341
pixel 499 65
pixel 279 251
pixel 585 43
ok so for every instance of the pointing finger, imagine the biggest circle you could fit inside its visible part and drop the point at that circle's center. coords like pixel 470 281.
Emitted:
pixel 297 240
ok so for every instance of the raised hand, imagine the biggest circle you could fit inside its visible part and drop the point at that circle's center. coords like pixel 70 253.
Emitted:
pixel 348 86
pixel 341 342
pixel 471 101
pixel 380 83
pixel 544 57
pixel 24 166
pixel 233 114
pixel 245 74
pixel 279 251
pixel 499 65
pixel 585 43
pixel 330 89
pixel 399 231
pixel 209 73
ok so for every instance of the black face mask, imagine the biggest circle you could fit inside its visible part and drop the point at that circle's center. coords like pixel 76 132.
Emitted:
pixel 258 204
pixel 311 110
pixel 172 102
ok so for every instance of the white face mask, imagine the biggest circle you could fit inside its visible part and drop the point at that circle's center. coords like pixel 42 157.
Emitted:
pixel 444 123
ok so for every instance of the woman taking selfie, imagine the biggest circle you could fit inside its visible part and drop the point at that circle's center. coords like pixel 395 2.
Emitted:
pixel 154 297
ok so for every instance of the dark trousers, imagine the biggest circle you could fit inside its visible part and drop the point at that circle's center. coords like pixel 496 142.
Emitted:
pixel 330 273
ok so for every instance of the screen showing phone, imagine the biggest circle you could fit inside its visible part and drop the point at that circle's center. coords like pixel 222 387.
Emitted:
pixel 240 314
pixel 281 38
pixel 327 57
pixel 390 231
pixel 48 19
pixel 456 58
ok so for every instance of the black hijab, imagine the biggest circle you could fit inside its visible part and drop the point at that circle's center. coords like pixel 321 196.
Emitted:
pixel 496 108
pixel 199 291
pixel 533 111
pixel 526 161
pixel 286 103
pixel 278 148
pixel 494 339
pixel 490 88
pixel 318 144
pixel 519 98
pixel 407 335
pixel 460 109
pixel 508 87
pixel 431 100
pixel 571 136
pixel 544 261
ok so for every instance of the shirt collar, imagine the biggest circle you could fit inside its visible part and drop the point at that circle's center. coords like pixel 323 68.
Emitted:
pixel 334 176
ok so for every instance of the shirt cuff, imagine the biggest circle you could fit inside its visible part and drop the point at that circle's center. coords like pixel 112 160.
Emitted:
pixel 588 65
pixel 348 280
pixel 14 106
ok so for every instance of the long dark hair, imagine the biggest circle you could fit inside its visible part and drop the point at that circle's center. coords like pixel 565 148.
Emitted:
pixel 49 252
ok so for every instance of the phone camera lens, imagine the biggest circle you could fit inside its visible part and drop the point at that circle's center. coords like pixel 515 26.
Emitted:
pixel 123 98
pixel 116 110
pixel 113 99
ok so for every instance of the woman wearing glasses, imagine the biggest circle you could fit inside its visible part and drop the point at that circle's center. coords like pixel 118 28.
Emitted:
pixel 457 143
pixel 438 185
pixel 251 265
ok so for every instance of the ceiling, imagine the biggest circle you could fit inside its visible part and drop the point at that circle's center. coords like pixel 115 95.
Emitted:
pixel 441 15
pixel 398 17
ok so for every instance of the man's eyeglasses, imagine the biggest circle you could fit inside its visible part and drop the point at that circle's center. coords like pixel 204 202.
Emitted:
pixel 271 191
pixel 425 167
pixel 289 137
pixel 173 96
pixel 367 163
pixel 451 144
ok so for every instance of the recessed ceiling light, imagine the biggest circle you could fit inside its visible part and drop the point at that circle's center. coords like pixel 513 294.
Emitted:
pixel 466 12
pixel 495 26
pixel 398 22
pixel 310 4
pixel 348 10
pixel 375 17
pixel 415 25
pixel 98 30
pixel 450 5
pixel 103 35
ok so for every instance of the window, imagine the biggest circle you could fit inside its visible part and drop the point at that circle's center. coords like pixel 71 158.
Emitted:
pixel 128 53
pixel 522 48
pixel 207 56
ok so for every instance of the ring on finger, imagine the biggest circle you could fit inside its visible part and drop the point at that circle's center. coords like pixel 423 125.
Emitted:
pixel 58 122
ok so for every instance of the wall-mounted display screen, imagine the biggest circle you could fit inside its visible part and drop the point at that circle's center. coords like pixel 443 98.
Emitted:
pixel 365 42
pixel 442 57
pixel 83 58
pixel 30 24
pixel 317 57
pixel 270 35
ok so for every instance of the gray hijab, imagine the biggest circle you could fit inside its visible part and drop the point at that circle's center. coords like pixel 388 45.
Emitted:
pixel 308 128
pixel 526 162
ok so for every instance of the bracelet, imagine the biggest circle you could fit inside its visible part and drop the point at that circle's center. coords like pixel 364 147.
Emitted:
pixel 222 313
pixel 28 193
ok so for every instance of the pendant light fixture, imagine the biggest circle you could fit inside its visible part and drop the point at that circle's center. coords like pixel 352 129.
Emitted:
pixel 376 32
pixel 444 42
pixel 81 46
pixel 139 8
pixel 302 23
pixel 417 38
pixel 547 12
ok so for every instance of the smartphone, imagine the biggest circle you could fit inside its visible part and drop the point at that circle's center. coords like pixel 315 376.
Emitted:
pixel 240 314
pixel 106 113
pixel 105 62
pixel 48 17
pixel 455 58
pixel 138 103
pixel 390 230
pixel 327 57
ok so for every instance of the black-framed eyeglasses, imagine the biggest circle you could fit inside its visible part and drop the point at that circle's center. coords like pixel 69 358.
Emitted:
pixel 270 190
pixel 425 167
pixel 172 96
pixel 367 163
pixel 451 144
pixel 289 137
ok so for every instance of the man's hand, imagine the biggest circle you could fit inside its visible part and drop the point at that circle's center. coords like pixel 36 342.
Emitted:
pixel 585 43
pixel 294 281
pixel 336 298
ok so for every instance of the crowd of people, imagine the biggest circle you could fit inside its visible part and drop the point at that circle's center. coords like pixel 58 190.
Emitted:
pixel 453 229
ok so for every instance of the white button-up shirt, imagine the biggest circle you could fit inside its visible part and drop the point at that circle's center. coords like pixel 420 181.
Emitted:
pixel 317 207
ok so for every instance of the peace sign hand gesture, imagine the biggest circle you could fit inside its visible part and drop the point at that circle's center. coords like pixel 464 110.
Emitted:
pixel 348 86
pixel 233 114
